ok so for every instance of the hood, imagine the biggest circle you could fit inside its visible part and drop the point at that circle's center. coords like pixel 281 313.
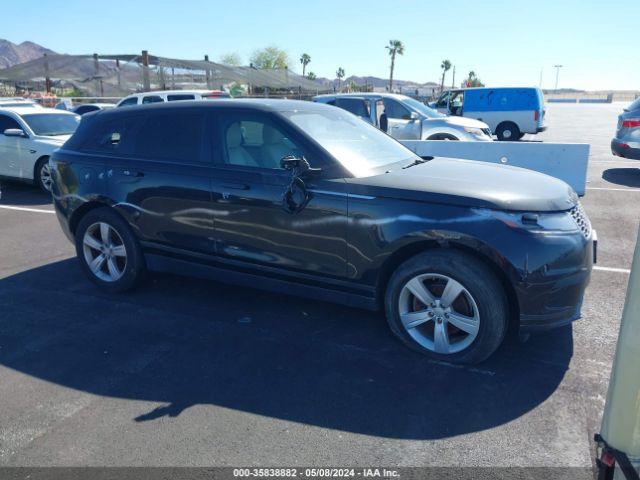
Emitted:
pixel 472 184
pixel 466 122
pixel 56 140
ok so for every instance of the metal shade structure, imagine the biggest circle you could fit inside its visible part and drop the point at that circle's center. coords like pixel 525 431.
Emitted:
pixel 123 74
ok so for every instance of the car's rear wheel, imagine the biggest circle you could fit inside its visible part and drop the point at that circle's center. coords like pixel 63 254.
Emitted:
pixel 42 175
pixel 108 251
pixel 508 132
pixel 447 305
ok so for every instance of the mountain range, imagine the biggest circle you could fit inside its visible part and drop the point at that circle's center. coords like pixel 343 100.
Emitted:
pixel 12 54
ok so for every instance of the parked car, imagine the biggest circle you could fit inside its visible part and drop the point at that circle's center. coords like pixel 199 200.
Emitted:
pixel 92 107
pixel 29 136
pixel 509 112
pixel 170 96
pixel 18 102
pixel 304 198
pixel 405 118
pixel 626 143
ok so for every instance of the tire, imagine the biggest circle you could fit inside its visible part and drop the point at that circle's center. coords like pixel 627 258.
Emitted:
pixel 481 307
pixel 42 176
pixel 508 131
pixel 117 272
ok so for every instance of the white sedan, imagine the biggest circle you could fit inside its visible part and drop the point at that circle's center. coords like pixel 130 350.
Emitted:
pixel 28 136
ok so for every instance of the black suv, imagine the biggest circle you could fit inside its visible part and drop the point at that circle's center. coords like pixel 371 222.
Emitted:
pixel 308 199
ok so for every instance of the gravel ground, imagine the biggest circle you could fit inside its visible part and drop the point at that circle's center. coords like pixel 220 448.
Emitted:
pixel 185 372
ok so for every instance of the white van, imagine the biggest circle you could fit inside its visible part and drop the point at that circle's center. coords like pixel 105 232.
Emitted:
pixel 170 96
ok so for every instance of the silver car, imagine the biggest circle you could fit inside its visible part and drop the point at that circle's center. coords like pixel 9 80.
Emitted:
pixel 626 143
pixel 405 118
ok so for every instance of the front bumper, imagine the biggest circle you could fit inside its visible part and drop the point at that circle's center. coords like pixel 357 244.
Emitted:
pixel 625 149
pixel 552 296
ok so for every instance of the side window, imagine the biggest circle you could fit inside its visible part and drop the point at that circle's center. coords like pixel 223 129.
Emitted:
pixel 176 137
pixel 112 136
pixel 182 96
pixel 129 101
pixel 395 110
pixel 358 106
pixel 6 122
pixel 152 99
pixel 255 141
pixel 442 101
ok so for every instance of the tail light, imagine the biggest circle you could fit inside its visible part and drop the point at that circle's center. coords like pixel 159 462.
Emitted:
pixel 536 115
pixel 631 123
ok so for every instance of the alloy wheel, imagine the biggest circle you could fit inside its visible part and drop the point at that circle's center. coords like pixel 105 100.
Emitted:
pixel 45 176
pixel 439 313
pixel 104 252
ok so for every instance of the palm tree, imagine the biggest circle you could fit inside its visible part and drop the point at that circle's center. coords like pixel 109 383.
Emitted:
pixel 340 75
pixel 305 59
pixel 312 76
pixel 395 47
pixel 445 66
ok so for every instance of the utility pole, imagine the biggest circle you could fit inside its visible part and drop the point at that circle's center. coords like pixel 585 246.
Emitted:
pixel 541 70
pixel 453 80
pixel 557 67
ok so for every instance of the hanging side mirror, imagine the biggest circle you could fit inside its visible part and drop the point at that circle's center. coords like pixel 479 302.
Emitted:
pixel 298 166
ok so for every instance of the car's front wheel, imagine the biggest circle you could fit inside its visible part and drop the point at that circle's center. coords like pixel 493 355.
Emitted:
pixel 108 251
pixel 447 305
pixel 42 175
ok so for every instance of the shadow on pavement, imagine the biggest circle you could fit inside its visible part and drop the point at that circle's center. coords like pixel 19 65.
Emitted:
pixel 22 194
pixel 183 342
pixel 629 177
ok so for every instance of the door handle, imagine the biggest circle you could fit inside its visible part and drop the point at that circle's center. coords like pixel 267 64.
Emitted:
pixel 130 173
pixel 235 186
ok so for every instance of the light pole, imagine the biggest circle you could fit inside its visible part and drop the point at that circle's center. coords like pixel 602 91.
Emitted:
pixel 557 67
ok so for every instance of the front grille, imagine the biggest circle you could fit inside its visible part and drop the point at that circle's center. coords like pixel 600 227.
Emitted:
pixel 486 131
pixel 580 216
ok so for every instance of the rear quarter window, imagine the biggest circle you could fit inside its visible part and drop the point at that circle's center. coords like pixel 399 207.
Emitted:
pixel 171 98
pixel 110 136
pixel 173 137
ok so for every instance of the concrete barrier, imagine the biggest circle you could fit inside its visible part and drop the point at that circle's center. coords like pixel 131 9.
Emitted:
pixel 566 161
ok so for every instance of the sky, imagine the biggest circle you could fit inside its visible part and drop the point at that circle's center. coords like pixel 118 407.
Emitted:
pixel 507 43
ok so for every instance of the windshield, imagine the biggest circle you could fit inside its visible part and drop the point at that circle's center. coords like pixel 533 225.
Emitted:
pixel 51 124
pixel 422 108
pixel 359 147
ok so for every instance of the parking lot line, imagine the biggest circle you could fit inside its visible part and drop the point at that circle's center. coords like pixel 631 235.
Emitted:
pixel 611 269
pixel 25 209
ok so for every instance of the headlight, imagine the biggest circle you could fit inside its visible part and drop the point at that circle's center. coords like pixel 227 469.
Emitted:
pixel 474 131
pixel 535 222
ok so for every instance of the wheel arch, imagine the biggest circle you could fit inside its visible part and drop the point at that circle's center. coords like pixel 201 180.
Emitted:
pixel 85 208
pixel 487 256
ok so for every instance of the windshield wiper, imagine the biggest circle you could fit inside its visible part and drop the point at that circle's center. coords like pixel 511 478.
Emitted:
pixel 417 161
